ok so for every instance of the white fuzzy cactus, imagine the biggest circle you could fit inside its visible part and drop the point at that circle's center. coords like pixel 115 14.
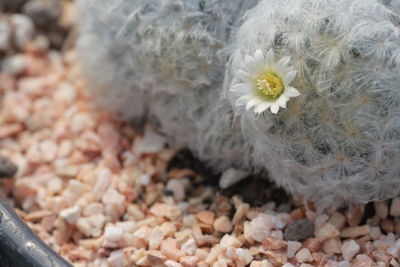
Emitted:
pixel 306 89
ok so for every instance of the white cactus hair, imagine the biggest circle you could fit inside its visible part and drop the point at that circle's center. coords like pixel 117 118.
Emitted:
pixel 173 61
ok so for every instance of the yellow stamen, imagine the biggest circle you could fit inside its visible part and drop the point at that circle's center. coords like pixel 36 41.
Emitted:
pixel 270 85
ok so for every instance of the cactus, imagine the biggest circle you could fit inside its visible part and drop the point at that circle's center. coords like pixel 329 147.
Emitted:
pixel 340 139
pixel 334 136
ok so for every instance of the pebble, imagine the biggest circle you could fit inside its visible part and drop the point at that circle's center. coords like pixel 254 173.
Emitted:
pixel 260 227
pixel 113 233
pixel 298 230
pixel 189 247
pixel 5 35
pixel 338 220
pixel 349 249
pixel 292 248
pixel 304 255
pixel 71 215
pixel 14 65
pixel 177 187
pixel 331 246
pixel 104 177
pixel 395 207
pixel 189 261
pixel 231 176
pixel 23 29
pixel 43 12
pixel 263 263
pixel 7 168
pixel 206 217
pixel 381 209
pixel 353 232
pixel 151 142
pixel 326 231
pixel 223 224
pixel 229 241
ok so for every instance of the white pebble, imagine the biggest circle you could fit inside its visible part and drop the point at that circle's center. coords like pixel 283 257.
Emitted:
pixel 104 177
pixel 151 142
pixel 111 196
pixel 23 30
pixel 14 64
pixel 260 227
pixel 231 176
pixel 144 179
pixel 5 35
pixel 189 247
pixel 350 249
pixel 71 214
pixel 116 258
pixel 292 247
pixel 304 255
pixel 113 233
pixel 177 187
pixel 344 264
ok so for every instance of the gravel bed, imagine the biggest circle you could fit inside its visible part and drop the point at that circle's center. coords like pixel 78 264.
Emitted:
pixel 102 193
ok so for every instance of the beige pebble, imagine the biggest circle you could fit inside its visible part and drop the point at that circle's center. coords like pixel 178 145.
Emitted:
pixel 169 248
pixel 171 263
pixel 206 217
pixel 387 225
pixel 304 255
pixel 353 232
pixel 395 207
pixel 331 246
pixel 164 210
pixel 223 224
pixel 338 220
pixel 381 209
pixel 244 256
pixel 354 215
pixel 273 243
pixel 263 263
pixel 326 231
pixel 229 241
pixel 362 260
pixel 313 244
pixel 240 213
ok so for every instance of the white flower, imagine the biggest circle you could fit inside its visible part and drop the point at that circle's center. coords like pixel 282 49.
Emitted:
pixel 265 83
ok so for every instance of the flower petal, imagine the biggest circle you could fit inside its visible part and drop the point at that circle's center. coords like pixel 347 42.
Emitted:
pixel 282 101
pixel 239 88
pixel 242 75
pixel 282 63
pixel 275 107
pixel 253 102
pixel 243 100
pixel 259 60
pixel 291 92
pixel 250 64
pixel 270 60
pixel 289 77
pixel 262 107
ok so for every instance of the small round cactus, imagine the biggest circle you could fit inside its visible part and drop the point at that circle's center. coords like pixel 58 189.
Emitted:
pixel 307 90
pixel 339 140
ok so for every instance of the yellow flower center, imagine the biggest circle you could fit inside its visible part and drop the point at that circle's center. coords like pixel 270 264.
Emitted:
pixel 270 85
